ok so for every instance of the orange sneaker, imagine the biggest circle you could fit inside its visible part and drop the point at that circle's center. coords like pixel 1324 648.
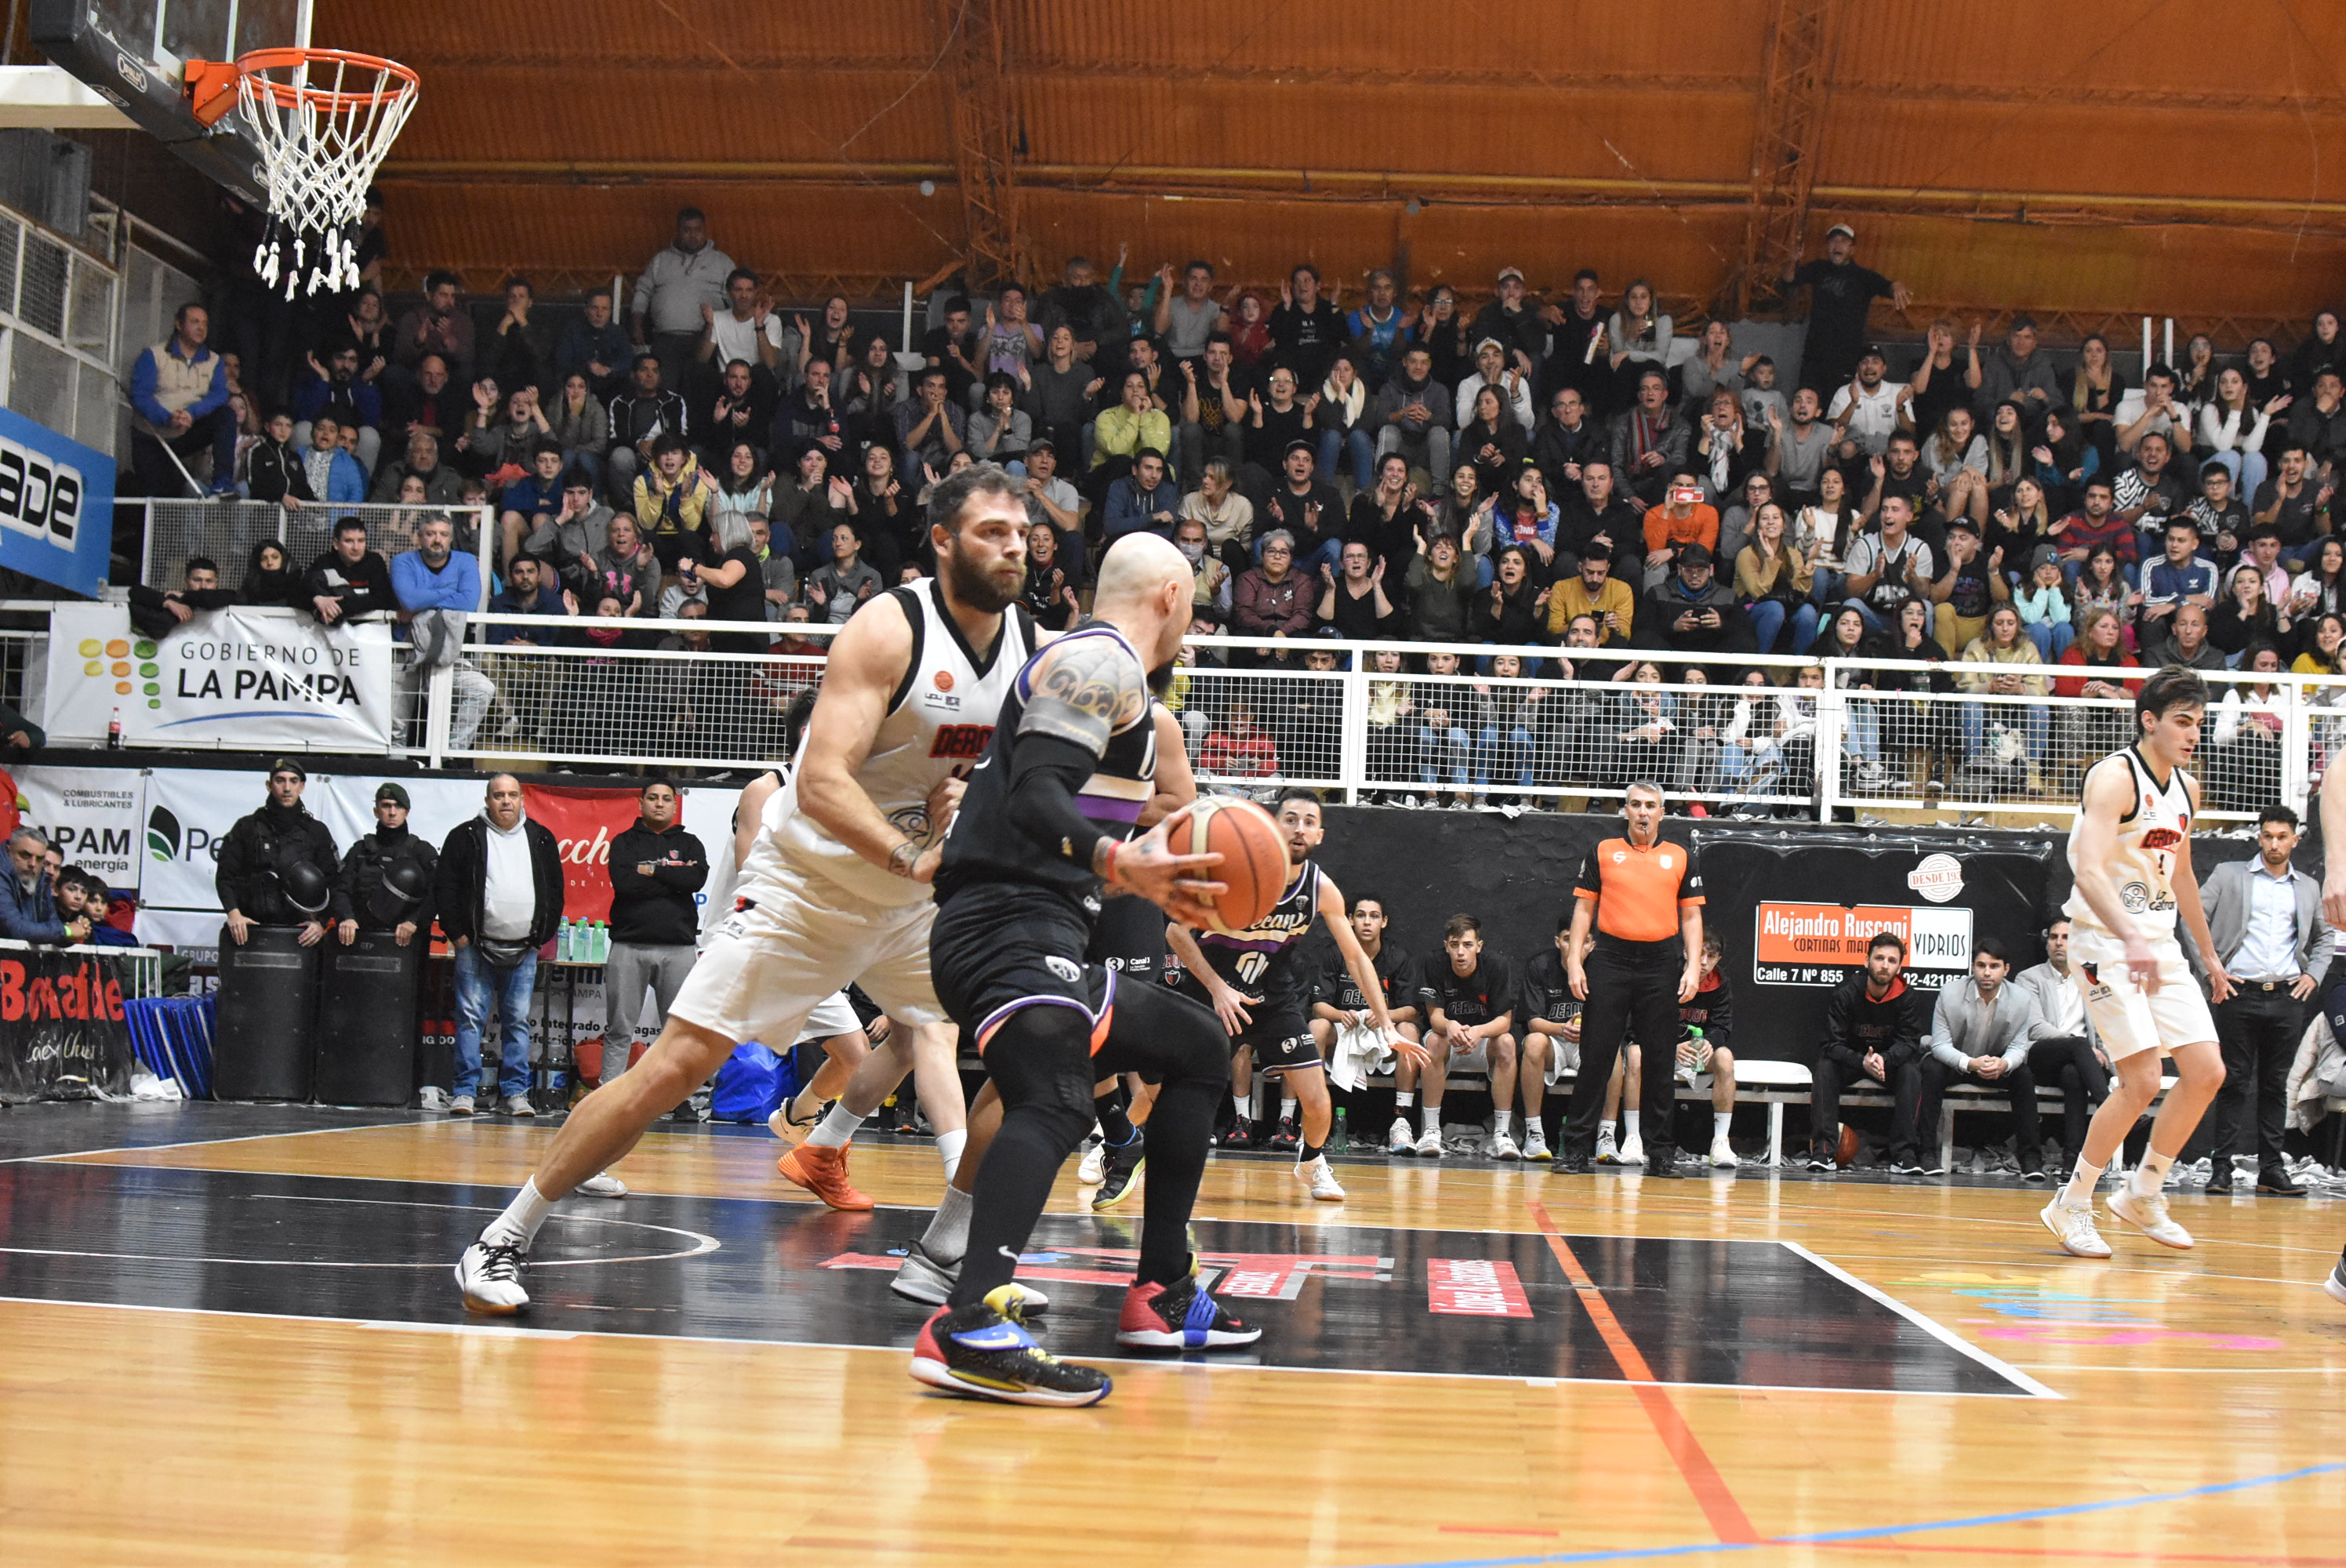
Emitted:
pixel 823 1172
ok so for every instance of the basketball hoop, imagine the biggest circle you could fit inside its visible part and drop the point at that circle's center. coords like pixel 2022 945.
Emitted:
pixel 324 119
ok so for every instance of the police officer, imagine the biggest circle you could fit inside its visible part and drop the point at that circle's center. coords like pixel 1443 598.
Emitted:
pixel 386 879
pixel 277 866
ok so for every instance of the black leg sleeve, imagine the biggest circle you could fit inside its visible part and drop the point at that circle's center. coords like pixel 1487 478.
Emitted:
pixel 1040 1060
pixel 1161 1032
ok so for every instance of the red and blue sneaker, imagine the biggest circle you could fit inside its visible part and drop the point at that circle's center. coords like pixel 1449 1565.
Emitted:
pixel 984 1350
pixel 1181 1316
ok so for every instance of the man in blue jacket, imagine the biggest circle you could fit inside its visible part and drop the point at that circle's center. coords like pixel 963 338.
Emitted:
pixel 178 399
pixel 439 589
pixel 334 475
pixel 28 909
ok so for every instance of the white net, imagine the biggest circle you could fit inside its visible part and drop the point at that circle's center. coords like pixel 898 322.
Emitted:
pixel 323 121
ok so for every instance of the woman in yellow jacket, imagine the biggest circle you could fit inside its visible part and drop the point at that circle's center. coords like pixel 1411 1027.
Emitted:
pixel 1988 725
pixel 672 496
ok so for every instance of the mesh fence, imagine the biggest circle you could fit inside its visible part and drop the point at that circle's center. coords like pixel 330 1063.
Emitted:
pixel 41 284
pixel 227 532
pixel 43 381
pixel 1260 728
pixel 678 707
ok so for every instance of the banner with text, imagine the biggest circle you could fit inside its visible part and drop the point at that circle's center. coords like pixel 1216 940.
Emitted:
pixel 251 677
pixel 91 814
pixel 62 1033
pixel 56 505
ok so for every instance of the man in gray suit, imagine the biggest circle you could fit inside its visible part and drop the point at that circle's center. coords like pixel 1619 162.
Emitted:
pixel 1980 1033
pixel 2266 922
pixel 2062 1050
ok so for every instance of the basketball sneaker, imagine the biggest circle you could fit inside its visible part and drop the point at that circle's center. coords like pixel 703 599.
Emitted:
pixel 1120 1174
pixel 1286 1139
pixel 1315 1174
pixel 461 1106
pixel 431 1098
pixel 2336 1283
pixel 2073 1227
pixel 1633 1153
pixel 1179 1317
pixel 922 1277
pixel 602 1183
pixel 2149 1216
pixel 518 1106
pixel 789 1128
pixel 1502 1147
pixel 1429 1143
pixel 1608 1152
pixel 984 1350
pixel 1094 1163
pixel 489 1276
pixel 1401 1140
pixel 1536 1144
pixel 1721 1154
pixel 823 1172
pixel 1241 1135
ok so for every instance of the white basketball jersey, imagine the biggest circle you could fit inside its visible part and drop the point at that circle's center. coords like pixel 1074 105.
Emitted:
pixel 2153 836
pixel 940 717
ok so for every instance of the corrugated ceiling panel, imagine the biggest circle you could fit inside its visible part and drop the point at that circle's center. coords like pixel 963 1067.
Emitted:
pixel 609 35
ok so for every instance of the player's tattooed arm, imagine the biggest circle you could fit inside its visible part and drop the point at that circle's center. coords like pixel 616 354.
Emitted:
pixel 1084 690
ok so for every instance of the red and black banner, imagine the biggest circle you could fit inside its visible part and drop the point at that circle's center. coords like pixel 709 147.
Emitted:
pixel 62 1032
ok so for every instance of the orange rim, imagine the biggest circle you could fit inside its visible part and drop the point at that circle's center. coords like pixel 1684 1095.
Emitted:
pixel 400 80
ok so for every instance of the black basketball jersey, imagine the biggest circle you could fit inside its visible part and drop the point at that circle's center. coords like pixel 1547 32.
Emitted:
pixel 1547 990
pixel 986 845
pixel 1397 976
pixel 1266 958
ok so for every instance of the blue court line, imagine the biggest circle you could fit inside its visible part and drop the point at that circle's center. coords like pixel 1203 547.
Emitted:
pixel 1872 1533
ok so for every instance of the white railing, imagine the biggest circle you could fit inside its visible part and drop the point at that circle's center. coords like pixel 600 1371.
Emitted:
pixel 226 532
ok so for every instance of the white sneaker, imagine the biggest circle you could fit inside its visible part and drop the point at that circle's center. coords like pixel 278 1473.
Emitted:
pixel 2336 1284
pixel 1720 1154
pixel 1429 1143
pixel 431 1098
pixel 602 1183
pixel 2149 1216
pixel 1093 1166
pixel 1633 1153
pixel 1401 1140
pixel 489 1276
pixel 1536 1144
pixel 922 1278
pixel 462 1105
pixel 1607 1151
pixel 1502 1147
pixel 1316 1176
pixel 793 1133
pixel 519 1105
pixel 2072 1227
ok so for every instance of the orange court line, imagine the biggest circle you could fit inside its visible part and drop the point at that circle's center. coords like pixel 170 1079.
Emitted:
pixel 1728 1520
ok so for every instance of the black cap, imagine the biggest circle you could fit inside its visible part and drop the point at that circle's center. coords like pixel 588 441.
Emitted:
pixel 1298 445
pixel 1872 351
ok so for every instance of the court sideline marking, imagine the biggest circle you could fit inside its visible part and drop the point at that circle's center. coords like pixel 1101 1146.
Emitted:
pixel 1945 1336
pixel 1727 1517
pixel 65 1156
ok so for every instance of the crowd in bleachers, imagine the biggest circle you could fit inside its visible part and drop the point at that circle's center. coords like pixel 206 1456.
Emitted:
pixel 1570 472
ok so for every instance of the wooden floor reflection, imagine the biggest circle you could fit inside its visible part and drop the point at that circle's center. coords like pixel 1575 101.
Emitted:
pixel 207 1361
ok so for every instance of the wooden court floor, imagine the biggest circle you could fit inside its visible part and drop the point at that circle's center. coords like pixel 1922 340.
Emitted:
pixel 227 1336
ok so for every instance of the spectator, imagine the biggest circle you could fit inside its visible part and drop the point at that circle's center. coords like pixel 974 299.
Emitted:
pixel 2099 647
pixel 437 326
pixel 1379 333
pixel 439 589
pixel 1061 391
pixel 1384 520
pixel 744 487
pixel 1213 415
pixel 2187 643
pixel 531 502
pixel 1142 502
pixel 1353 605
pixel 29 908
pixel 1307 509
pixel 180 398
pixel 676 293
pixel 2218 514
pixel 736 585
pixel 2162 414
pixel 778 578
pixel 1938 383
pixel 1683 519
pixel 1980 1030
pixel 443 486
pixel 1275 424
pixel 1050 596
pixel 1840 295
pixel 1594 592
pixel 350 580
pixel 2265 920
pixel 2292 501
pixel 356 405
pixel 1775 584
pixel 810 416
pixel 498 892
pixel 1187 317
pixel 870 392
pixel 639 418
pixel 1491 441
pixel 566 537
pixel 672 498
pixel 156 614
pixel 1228 516
pixel 1050 499
pixel 1269 600
pixel 1638 334
pixel 2321 588
pixel 1440 595
pixel 2246 615
pixel 1727 452
pixel 82 895
pixel 835 589
pixel 2146 494
pixel 1868 410
pixel 1565 440
pixel 276 867
pixel 580 426
pixel 1306 331
pixel 1507 743
pixel 1342 421
pixel 1693 612
pixel 273 470
pixel 626 569
pixel 2095 524
pixel 745 329
pixel 888 521
pixel 1872 1031
pixel 1963 594
pixel 1514 610
pixel 521 351
pixel 1597 514
pixel 740 412
pixel 1648 445
pixel 385 882
pixel 1090 312
pixel 530 590
pixel 1238 748
pixel 1509 385
pixel 268 580
pixel 595 348
pixel 2246 746
pixel 1888 567
pixel 1000 430
pixel 1954 467
pixel 2063 1050
pixel 2003 642
pixel 331 472
pixel 657 869
pixel 428 401
pixel 934 425
pixel 2179 577
pixel 1122 432
pixel 2013 370
pixel 2318 422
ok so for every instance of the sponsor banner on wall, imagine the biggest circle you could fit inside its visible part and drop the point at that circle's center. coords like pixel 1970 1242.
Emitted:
pixel 57 506
pixel 94 816
pixel 1818 944
pixel 62 1034
pixel 248 676
pixel 584 822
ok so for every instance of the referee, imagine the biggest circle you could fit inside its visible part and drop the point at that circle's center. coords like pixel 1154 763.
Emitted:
pixel 1644 896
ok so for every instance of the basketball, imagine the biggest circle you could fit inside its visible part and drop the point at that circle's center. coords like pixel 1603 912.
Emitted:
pixel 1254 858
pixel 1847 1156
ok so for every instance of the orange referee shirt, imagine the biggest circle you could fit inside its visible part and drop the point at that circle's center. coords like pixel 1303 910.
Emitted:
pixel 1640 890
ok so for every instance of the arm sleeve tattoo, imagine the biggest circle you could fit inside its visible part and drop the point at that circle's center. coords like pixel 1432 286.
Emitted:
pixel 1085 691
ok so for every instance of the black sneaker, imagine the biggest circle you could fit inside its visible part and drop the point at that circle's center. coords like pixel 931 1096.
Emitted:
pixel 1241 1135
pixel 1287 1138
pixel 1819 1160
pixel 984 1351
pixel 1571 1162
pixel 1179 1317
pixel 1120 1168
pixel 1665 1164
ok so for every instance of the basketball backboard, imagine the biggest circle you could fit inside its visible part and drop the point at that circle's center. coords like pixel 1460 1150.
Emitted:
pixel 135 53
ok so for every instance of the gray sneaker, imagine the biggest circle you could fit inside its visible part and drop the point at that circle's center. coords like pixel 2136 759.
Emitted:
pixel 431 1097
pixel 462 1105
pixel 518 1106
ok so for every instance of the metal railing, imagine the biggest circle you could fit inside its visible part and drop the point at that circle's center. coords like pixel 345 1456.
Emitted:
pixel 227 532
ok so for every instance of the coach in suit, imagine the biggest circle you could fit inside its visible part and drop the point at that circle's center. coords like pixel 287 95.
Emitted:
pixel 2265 919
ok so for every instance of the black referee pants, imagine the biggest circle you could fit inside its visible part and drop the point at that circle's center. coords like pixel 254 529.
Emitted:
pixel 1630 985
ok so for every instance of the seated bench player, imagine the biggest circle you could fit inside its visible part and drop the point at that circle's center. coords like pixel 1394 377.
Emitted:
pixel 1550 1023
pixel 1470 998
pixel 1713 1011
pixel 1337 1002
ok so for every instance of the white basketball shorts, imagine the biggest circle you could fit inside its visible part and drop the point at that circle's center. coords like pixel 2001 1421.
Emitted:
pixel 2127 1018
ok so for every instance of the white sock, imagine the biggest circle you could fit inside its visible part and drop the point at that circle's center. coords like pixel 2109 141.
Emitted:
pixel 949 1147
pixel 837 1129
pixel 947 1237
pixel 1608 1129
pixel 2079 1193
pixel 1629 1121
pixel 1286 1109
pixel 1499 1120
pixel 1243 1104
pixel 517 1226
pixel 1404 1098
pixel 1429 1118
pixel 1719 1122
pixel 2151 1174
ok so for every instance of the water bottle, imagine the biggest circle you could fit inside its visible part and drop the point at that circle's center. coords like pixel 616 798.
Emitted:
pixel 562 943
pixel 602 942
pixel 1341 1140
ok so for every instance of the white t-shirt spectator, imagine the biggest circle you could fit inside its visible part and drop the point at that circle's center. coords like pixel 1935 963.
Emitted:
pixel 738 339
pixel 1875 418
